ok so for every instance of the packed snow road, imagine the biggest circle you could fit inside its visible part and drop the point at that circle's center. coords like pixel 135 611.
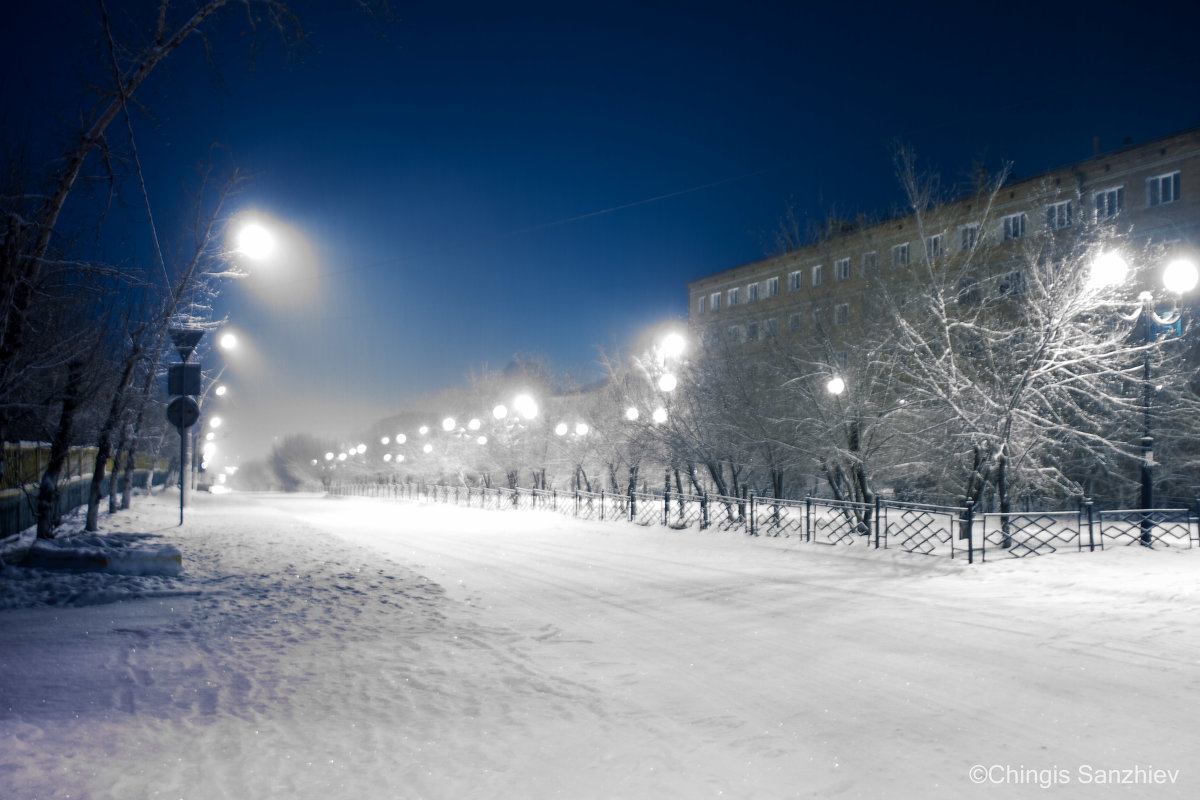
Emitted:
pixel 358 649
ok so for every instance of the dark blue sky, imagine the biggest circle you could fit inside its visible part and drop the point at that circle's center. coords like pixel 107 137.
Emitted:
pixel 477 179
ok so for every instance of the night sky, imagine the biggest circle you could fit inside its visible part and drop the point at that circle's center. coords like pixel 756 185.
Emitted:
pixel 473 180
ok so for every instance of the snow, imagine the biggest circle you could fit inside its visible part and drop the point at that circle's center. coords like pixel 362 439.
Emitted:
pixel 337 648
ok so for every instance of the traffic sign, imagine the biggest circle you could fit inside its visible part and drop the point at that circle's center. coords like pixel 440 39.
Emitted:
pixel 185 340
pixel 183 379
pixel 183 413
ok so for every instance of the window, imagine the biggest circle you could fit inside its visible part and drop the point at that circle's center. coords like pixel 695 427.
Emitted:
pixel 1058 215
pixel 870 263
pixel 752 293
pixel 794 323
pixel 794 281
pixel 900 255
pixel 772 287
pixel 968 236
pixel 733 297
pixel 772 328
pixel 841 269
pixel 1013 226
pixel 1110 202
pixel 1162 189
pixel 735 334
pixel 752 331
pixel 1011 283
pixel 816 275
pixel 701 304
pixel 715 301
pixel 841 313
pixel 933 246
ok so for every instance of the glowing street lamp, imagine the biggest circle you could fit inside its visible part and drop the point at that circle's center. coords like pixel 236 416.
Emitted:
pixel 561 429
pixel 836 385
pixel 526 406
pixel 668 382
pixel 673 345
pixel 228 341
pixel 659 416
pixel 215 422
pixel 255 241
pixel 500 411
pixel 221 390
pixel 448 424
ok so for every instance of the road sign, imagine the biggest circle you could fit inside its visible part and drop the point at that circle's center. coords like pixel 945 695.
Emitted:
pixel 185 340
pixel 183 379
pixel 183 413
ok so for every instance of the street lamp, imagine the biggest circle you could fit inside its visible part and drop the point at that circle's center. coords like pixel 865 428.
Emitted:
pixel 1179 277
pixel 255 241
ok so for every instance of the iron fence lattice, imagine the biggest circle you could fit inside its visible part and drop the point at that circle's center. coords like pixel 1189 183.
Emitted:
pixel 919 528
pixel 778 517
pixel 838 521
pixel 1170 527
pixel 1033 533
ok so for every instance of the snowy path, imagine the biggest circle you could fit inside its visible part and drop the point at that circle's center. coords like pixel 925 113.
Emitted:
pixel 322 648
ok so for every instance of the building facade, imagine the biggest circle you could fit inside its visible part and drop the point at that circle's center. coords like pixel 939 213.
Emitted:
pixel 1147 194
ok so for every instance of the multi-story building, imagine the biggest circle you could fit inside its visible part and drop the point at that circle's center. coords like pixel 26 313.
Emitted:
pixel 1147 193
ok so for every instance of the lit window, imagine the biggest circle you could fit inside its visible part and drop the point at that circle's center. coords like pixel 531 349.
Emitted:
pixel 841 269
pixel 841 313
pixel 870 263
pixel 1162 189
pixel 1013 226
pixel 1110 202
pixel 900 255
pixel 1058 215
pixel 772 287
pixel 968 236
pixel 794 281
pixel 715 301
pixel 816 275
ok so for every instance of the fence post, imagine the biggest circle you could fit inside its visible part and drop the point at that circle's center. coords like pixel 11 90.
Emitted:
pixel 968 520
pixel 576 504
pixel 601 505
pixel 878 507
pixel 704 511
pixel 753 530
pixel 808 519
pixel 1087 501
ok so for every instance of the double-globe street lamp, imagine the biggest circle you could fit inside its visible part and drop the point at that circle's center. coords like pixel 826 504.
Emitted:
pixel 1179 277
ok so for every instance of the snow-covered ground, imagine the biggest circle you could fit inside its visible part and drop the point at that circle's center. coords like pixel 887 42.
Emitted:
pixel 347 648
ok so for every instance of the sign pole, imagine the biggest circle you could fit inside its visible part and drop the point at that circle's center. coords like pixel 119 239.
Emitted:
pixel 183 465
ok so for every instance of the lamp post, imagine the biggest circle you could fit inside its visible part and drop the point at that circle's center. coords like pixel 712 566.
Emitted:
pixel 1179 277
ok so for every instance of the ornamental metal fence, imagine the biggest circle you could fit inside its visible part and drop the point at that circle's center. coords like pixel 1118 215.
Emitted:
pixel 919 528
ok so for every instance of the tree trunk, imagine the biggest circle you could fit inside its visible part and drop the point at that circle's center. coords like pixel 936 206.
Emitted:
pixel 104 445
pixel 60 448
